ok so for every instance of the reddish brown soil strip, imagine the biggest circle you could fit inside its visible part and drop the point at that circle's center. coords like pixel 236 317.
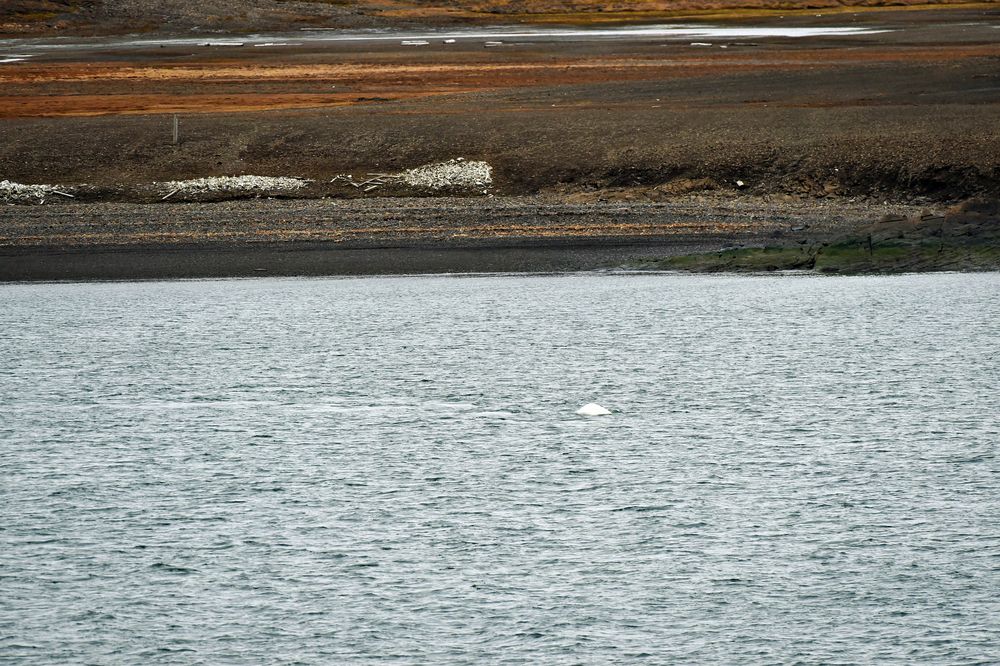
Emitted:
pixel 105 89
pixel 45 106
pixel 596 68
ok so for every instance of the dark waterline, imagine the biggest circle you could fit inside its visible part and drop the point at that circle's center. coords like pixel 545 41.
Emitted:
pixel 320 260
pixel 797 469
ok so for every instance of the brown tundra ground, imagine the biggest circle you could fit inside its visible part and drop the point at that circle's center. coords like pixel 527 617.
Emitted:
pixel 611 142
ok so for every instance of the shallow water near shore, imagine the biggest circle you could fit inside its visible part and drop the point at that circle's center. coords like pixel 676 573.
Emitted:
pixel 531 33
pixel 796 469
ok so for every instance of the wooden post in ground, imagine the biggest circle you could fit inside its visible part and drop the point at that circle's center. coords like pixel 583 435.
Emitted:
pixel 177 133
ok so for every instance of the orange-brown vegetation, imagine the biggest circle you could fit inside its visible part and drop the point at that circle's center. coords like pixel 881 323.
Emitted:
pixel 233 85
pixel 586 11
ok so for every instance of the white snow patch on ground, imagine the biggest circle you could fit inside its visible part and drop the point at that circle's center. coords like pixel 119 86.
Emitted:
pixel 234 184
pixel 11 191
pixel 453 173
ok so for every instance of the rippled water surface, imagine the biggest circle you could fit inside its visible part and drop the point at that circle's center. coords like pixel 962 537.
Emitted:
pixel 796 469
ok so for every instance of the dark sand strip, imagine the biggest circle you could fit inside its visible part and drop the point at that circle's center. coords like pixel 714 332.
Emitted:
pixel 314 259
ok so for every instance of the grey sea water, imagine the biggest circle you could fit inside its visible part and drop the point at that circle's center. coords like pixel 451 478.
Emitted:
pixel 796 470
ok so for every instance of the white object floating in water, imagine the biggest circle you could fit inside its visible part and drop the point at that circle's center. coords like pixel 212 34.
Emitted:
pixel 415 42
pixel 592 409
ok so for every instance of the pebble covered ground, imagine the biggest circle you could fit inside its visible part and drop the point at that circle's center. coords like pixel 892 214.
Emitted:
pixel 716 219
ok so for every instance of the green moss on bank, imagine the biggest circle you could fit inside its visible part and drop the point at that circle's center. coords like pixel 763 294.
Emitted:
pixel 849 257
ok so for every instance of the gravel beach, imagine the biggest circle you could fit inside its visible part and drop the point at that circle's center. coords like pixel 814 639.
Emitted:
pixel 375 236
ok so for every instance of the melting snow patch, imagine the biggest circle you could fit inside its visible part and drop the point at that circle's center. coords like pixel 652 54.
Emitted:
pixel 234 184
pixel 453 173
